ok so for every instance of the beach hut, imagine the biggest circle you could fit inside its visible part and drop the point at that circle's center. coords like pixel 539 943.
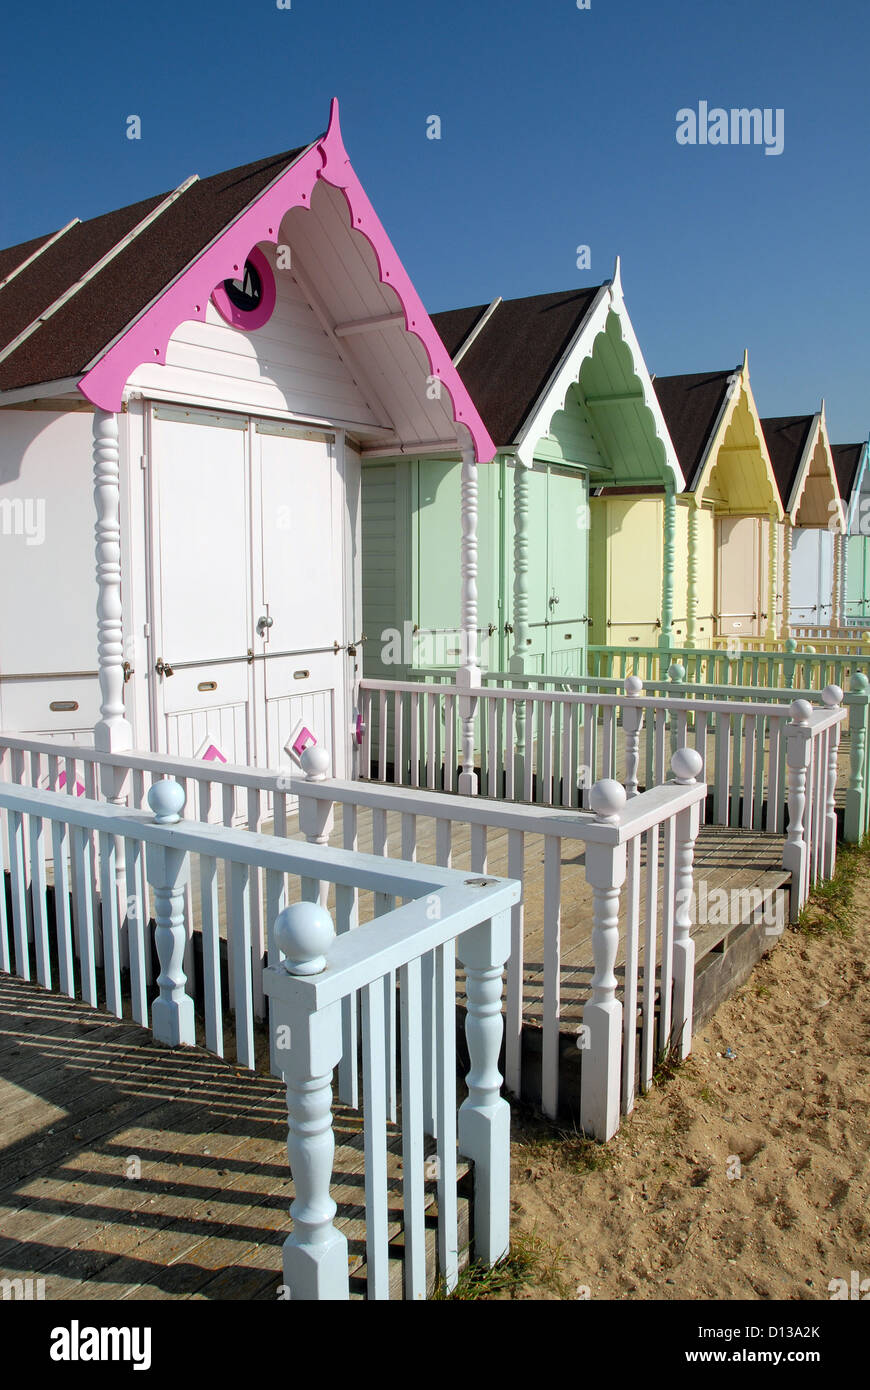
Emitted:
pixel 853 478
pixel 561 385
pixel 801 454
pixel 726 525
pixel 209 367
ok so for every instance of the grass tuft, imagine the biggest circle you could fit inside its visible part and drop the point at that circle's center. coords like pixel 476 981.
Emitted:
pixel 828 909
pixel 531 1259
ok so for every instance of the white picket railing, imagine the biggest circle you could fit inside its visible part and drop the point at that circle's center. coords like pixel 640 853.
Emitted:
pixel 645 843
pixel 550 746
pixel 316 1024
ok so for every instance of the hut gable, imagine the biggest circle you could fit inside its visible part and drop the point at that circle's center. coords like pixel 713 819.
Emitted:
pixel 560 378
pixel 134 290
pixel 804 465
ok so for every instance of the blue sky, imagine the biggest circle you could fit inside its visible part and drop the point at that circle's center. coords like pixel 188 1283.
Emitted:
pixel 558 129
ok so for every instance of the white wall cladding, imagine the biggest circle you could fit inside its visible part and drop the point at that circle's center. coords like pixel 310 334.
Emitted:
pixel 49 593
pixel 288 364
pixel 225 725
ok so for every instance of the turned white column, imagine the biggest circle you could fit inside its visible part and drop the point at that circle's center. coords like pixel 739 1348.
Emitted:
pixel 468 676
pixel 772 577
pixel 844 577
pixel 832 698
pixel 794 854
pixel 168 869
pixel 602 1014
pixel 686 765
pixel 836 580
pixel 692 574
pixel 112 733
pixel 668 548
pixel 786 576
pixel 484 1116
pixel 521 602
pixel 632 722
pixel 307 1042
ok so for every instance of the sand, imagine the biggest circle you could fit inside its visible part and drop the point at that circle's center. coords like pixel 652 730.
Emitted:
pixel 742 1177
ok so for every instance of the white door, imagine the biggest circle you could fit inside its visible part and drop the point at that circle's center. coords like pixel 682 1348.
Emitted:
pixel 248 592
pixel 302 667
pixel 201 602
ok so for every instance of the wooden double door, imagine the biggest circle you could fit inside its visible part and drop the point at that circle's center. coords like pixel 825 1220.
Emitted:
pixel 248 629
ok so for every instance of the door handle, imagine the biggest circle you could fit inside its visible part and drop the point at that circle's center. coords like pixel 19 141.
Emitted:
pixel 163 668
pixel 263 624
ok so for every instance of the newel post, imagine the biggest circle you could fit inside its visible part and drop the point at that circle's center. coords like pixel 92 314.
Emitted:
pixel 602 1014
pixel 316 816
pixel 168 874
pixel 789 662
pixel 484 1116
pixel 686 766
pixel 468 675
pixel 832 697
pixel 632 723
pixel 856 792
pixel 307 1043
pixel 794 853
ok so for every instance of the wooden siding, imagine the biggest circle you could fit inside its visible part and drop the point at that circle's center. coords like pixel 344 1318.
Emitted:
pixel 288 364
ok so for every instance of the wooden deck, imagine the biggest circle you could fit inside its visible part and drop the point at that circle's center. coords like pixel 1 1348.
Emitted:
pixel 84 1098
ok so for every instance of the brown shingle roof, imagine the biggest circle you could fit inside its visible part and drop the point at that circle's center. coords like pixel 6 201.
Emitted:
pixel 786 437
pixel 512 358
pixel 691 405
pixel 846 460
pixel 103 308
pixel 14 256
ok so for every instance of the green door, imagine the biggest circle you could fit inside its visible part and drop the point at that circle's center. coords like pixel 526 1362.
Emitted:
pixel 436 507
pixel 558 570
pixel 567 559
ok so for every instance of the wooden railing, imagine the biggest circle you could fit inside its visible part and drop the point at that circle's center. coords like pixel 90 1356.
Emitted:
pixel 790 665
pixel 329 997
pixel 646 840
pixel 549 747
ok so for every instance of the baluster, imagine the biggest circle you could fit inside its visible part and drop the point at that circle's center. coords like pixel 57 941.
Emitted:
pixel 169 873
pixel 484 1116
pixel 315 1253
pixel 798 738
pixel 602 1014
pixel 316 817
pixel 686 766
pixel 632 720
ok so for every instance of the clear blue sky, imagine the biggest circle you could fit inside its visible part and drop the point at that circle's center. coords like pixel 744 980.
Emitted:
pixel 558 129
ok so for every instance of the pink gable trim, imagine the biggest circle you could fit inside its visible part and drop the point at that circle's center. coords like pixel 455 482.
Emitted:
pixel 146 339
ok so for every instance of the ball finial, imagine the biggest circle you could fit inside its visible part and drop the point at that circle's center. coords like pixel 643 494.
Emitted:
pixel 676 671
pixel 859 684
pixel 633 685
pixel 607 798
pixel 832 695
pixel 790 644
pixel 686 765
pixel 166 799
pixel 304 933
pixel 801 711
pixel 316 762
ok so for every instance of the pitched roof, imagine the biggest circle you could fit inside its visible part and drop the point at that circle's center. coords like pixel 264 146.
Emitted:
pixel 847 457
pixel 513 357
pixel 691 405
pixel 786 437
pixel 104 306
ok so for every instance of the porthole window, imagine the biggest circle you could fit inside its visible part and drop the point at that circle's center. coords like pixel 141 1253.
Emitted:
pixel 248 299
pixel 246 293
